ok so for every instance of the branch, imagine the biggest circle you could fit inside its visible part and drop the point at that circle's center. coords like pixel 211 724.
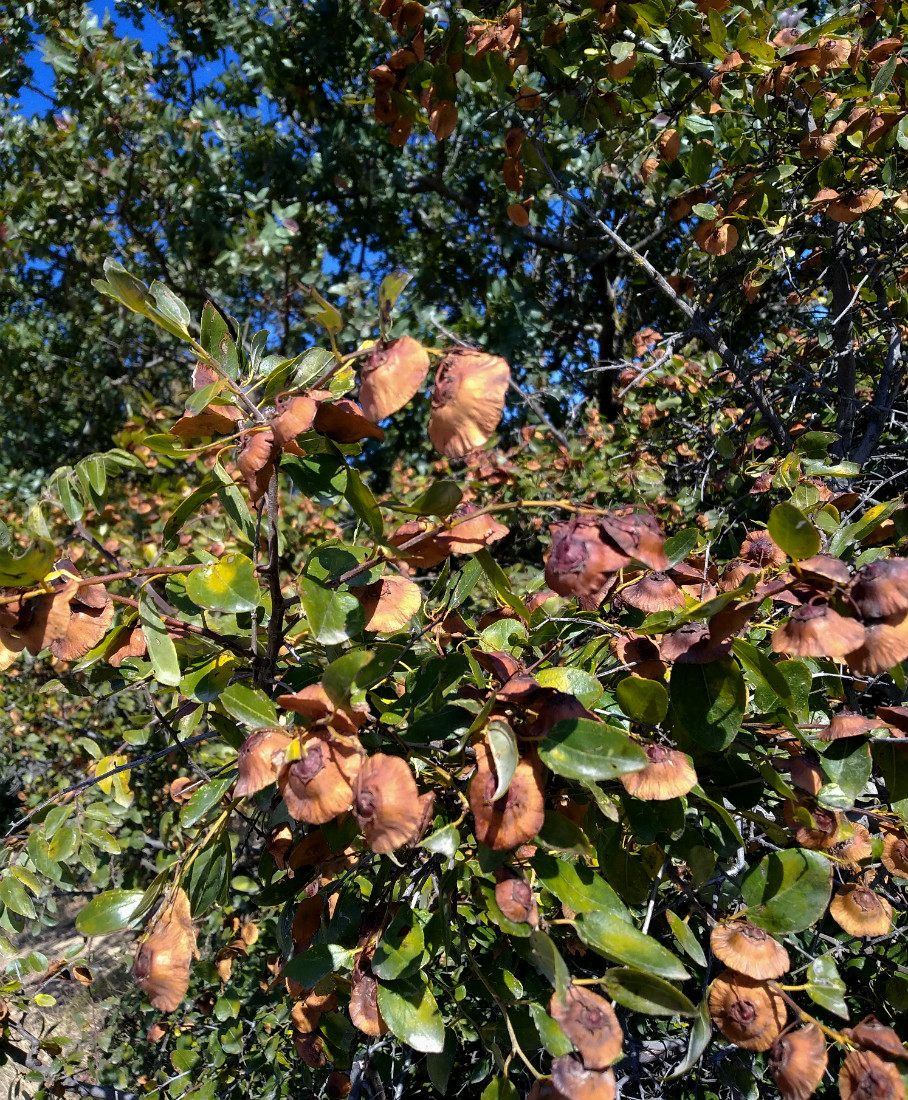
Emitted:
pixel 886 392
pixel 698 325
pixel 843 339
pixel 272 572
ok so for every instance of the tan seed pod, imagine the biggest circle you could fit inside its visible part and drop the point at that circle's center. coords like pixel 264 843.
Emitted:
pixel 856 848
pixel 314 704
pixel 582 558
pixel 860 912
pixel 515 898
pixel 895 854
pixel 317 787
pixel 291 417
pixel 259 760
pixel 391 376
pixel 517 816
pixel 815 630
pixel 749 950
pixel 656 592
pixel 669 774
pixel 881 588
pixel 386 803
pixel 571 1080
pixel 468 401
pixel 824 832
pixel 865 1076
pixel 797 1062
pixel 343 421
pixel 817 146
pixel 845 724
pixel 256 454
pixel 589 1021
pixel 389 603
pixel 469 536
pixel 514 174
pixel 871 1034
pixel 747 1012
pixel 363 1008
pixel 669 145
pixel 88 623
pixel 513 141
pixel 443 119
pixel 126 642
pixel 518 214
pixel 637 534
pixel 885 645
pixel 717 237
pixel 848 208
pixel 759 549
pixel 164 957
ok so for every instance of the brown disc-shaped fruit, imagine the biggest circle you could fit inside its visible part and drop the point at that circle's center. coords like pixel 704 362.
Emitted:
pixel 639 535
pixel 443 119
pixel 716 238
pixel 291 417
pixel 845 723
pixel 556 707
pixel 389 603
pixel 89 621
pixel 386 802
pixel 749 950
pixel 515 898
pixel 641 655
pixel 669 774
pixel 815 630
pixel 657 592
pixel 364 1011
pixel 849 208
pixel 256 454
pixel 880 589
pixel 821 834
pixel 861 912
pixel 469 532
pixel 517 816
pixel 391 376
pixel 317 787
pixel 344 422
pixel 865 1076
pixel 164 957
pixel 307 920
pixel 759 549
pixel 747 1012
pixel 824 572
pixel 854 848
pixel 259 760
pixel 895 854
pixel 797 1062
pixel 126 642
pixel 314 703
pixel 38 622
pixel 582 558
pixel 589 1021
pixel 885 644
pixel 573 1081
pixel 872 1034
pixel 467 401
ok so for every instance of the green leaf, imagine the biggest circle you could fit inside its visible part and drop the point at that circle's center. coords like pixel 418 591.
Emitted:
pixel 334 616
pixel 578 887
pixel 500 1088
pixel 109 912
pixel 198 399
pixel 123 287
pixel 582 749
pixel 503 745
pixel 251 706
pixel 550 1034
pixel 400 950
pixel 228 585
pixel 709 701
pixel 825 987
pixel 359 497
pixel 572 681
pixel 171 310
pixel 204 682
pixel 883 78
pixel 642 992
pixel 204 798
pixel 847 766
pixel 560 834
pixel 793 532
pixel 679 546
pixel 209 876
pixel 700 1034
pixel 391 288
pixel 440 499
pixel 213 329
pixel 763 671
pixel 13 896
pixel 340 678
pixel 27 568
pixel 615 939
pixel 787 891
pixel 547 959
pixel 642 700
pixel 500 583
pixel 310 966
pixel 685 938
pixel 233 504
pixel 411 1012
pixel 161 651
pixel 445 841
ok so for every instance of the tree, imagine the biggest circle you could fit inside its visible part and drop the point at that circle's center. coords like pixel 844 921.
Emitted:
pixel 414 809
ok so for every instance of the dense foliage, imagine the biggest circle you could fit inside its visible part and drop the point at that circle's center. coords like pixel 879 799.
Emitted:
pixel 496 690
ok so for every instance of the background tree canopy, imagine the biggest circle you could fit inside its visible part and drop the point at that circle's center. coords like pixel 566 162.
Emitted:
pixel 453 603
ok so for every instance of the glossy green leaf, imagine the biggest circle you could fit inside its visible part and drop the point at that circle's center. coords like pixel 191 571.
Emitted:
pixel 390 289
pixel 310 966
pixel 208 795
pixel 825 986
pixel 109 912
pixel 500 1088
pixel 709 701
pixel 411 1012
pixel 400 949
pixel 578 887
pixel 228 585
pixel 582 749
pixel 14 896
pixel 234 504
pixel 700 1034
pixel 847 765
pixel 341 678
pixel 500 583
pixel 19 571
pixel 208 879
pixel 550 1034
pixel 766 675
pixel 187 508
pixel 334 615
pixel 440 499
pixel 787 891
pixel 793 532
pixel 161 651
pixel 359 497
pixel 644 992
pixel 548 961
pixel 572 681
pixel 613 938
pixel 685 938
pixel 250 706
pixel 642 700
